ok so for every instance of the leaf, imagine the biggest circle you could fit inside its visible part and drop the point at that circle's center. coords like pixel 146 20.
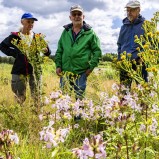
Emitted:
pixel 148 149
pixel 54 152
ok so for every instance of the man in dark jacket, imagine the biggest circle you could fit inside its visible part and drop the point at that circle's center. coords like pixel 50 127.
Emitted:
pixel 132 25
pixel 78 52
pixel 22 69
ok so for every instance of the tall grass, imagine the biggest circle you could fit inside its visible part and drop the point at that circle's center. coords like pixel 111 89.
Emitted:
pixel 25 121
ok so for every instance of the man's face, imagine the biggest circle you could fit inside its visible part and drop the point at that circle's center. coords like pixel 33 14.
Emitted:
pixel 132 13
pixel 27 24
pixel 76 17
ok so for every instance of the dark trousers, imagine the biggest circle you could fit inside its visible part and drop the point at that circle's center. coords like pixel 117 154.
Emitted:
pixel 19 83
pixel 126 80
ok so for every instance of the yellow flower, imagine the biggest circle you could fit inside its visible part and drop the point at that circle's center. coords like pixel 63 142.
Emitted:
pixel 65 117
pixel 62 97
pixel 139 54
pixel 145 85
pixel 124 53
pixel 129 55
pixel 147 43
pixel 136 40
pixel 86 102
pixel 130 64
pixel 37 35
pixel 118 63
pixel 123 57
pixel 142 83
pixel 149 33
pixel 138 48
pixel 46 59
pixel 115 59
pixel 152 51
pixel 134 62
pixel 146 46
pixel 136 37
pixel 146 21
pixel 154 69
pixel 147 88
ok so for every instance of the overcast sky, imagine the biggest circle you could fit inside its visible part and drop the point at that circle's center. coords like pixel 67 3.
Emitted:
pixel 105 16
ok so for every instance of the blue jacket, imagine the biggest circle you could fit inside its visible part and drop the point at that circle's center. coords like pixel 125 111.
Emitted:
pixel 126 36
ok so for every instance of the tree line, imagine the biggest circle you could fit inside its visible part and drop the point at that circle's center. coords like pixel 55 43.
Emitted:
pixel 106 57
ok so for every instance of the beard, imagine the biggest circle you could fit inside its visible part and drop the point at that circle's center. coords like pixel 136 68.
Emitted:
pixel 130 18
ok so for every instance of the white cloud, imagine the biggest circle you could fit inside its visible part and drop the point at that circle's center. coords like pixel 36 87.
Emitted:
pixel 105 16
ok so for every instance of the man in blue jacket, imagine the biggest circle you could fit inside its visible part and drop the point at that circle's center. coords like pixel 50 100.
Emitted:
pixel 132 25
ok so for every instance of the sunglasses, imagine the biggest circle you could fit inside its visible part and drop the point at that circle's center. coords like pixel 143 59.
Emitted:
pixel 78 14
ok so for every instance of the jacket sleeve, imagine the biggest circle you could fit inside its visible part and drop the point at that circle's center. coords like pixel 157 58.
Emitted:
pixel 58 54
pixel 119 45
pixel 48 52
pixel 8 48
pixel 96 52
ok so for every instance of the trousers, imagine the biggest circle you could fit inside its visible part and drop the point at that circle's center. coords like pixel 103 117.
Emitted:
pixel 19 83
pixel 77 83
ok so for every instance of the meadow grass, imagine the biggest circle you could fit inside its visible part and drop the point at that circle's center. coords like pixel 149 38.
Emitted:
pixel 24 120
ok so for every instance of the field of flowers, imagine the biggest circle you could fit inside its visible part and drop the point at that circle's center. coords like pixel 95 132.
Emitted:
pixel 23 129
pixel 111 125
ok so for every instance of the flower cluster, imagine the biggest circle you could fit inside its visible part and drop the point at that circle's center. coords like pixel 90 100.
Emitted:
pixel 148 52
pixel 95 148
pixel 7 139
pixel 53 137
pixel 64 108
pixel 121 116
pixel 33 50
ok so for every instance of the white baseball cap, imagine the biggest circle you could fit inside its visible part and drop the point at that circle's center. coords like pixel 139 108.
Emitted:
pixel 133 4
pixel 76 8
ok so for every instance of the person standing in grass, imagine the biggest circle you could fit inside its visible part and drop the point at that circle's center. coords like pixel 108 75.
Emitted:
pixel 78 52
pixel 132 25
pixel 22 70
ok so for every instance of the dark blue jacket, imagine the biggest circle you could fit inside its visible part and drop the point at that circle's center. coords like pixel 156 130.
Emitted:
pixel 126 36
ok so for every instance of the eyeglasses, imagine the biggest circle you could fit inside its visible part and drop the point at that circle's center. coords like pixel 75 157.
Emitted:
pixel 78 14
pixel 131 10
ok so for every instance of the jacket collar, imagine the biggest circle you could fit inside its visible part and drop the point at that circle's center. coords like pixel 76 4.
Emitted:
pixel 86 26
pixel 138 20
pixel 15 33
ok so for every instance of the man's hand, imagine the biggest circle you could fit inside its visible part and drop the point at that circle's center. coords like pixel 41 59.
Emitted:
pixel 45 50
pixel 58 71
pixel 88 72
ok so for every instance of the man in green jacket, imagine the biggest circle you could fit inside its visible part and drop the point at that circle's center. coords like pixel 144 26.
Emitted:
pixel 78 52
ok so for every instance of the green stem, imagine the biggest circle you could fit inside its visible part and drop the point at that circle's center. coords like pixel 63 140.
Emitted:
pixel 146 115
pixel 127 148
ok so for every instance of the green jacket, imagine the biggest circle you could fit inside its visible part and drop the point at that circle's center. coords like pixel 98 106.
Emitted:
pixel 79 55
